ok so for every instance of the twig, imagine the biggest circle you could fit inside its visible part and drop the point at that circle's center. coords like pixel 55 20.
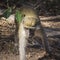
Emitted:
pixel 49 18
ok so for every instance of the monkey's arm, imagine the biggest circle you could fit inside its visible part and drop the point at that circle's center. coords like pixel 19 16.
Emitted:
pixel 43 37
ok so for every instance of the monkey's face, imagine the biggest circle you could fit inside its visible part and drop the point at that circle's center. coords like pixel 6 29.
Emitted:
pixel 29 22
pixel 30 17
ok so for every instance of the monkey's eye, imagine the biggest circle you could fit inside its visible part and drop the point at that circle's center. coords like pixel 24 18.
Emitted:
pixel 23 15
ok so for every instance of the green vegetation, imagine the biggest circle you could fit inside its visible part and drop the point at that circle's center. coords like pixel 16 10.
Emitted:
pixel 18 16
pixel 7 12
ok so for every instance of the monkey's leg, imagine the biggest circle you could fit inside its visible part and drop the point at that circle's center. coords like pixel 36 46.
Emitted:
pixel 44 37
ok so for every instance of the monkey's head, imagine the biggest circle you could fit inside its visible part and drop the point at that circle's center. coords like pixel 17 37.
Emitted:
pixel 30 17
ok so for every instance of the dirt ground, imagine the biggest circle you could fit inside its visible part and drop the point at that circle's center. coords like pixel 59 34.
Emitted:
pixel 35 52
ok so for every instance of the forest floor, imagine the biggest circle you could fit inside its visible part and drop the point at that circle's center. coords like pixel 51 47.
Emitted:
pixel 36 52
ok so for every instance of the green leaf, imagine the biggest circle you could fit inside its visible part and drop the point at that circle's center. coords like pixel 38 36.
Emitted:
pixel 18 16
pixel 7 12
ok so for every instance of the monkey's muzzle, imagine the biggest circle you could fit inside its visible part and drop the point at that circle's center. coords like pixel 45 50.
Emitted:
pixel 30 22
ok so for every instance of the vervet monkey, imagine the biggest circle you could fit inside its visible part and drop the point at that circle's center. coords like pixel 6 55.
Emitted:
pixel 30 22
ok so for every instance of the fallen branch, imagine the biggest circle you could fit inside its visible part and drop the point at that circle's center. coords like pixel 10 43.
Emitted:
pixel 49 18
